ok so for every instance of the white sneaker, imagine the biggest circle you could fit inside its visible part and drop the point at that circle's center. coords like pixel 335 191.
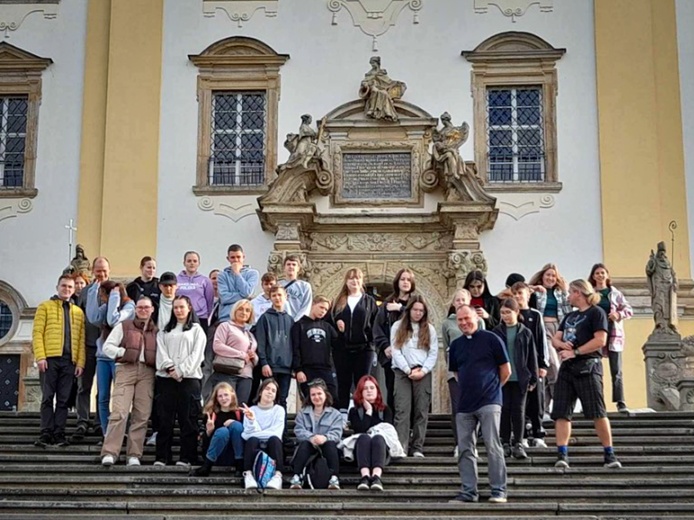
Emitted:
pixel 539 443
pixel 418 454
pixel 334 482
pixel 249 481
pixel 159 463
pixel 133 461
pixel 152 441
pixel 276 481
pixel 524 443
pixel 456 452
pixel 183 464
pixel 108 460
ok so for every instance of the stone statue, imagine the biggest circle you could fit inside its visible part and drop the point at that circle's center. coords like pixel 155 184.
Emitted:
pixel 446 144
pixel 380 91
pixel 80 263
pixel 302 146
pixel 662 284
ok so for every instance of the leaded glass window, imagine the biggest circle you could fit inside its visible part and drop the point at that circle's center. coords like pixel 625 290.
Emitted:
pixel 13 132
pixel 515 138
pixel 5 319
pixel 237 146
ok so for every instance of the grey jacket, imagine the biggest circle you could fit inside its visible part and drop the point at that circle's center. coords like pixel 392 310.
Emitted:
pixel 273 334
pixel 329 424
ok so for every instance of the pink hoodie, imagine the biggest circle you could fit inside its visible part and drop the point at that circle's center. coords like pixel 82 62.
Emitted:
pixel 230 340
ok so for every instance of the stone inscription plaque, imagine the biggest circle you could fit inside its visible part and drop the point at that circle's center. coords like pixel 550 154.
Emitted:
pixel 376 175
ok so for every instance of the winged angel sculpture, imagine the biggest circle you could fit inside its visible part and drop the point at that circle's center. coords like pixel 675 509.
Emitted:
pixel 446 144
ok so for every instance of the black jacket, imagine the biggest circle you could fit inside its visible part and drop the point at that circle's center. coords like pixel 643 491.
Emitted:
pixel 491 305
pixel 358 334
pixel 532 319
pixel 382 325
pixel 525 357
pixel 312 342
pixel 138 288
pixel 360 422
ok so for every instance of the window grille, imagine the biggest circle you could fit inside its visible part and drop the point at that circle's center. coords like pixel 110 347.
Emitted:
pixel 5 319
pixel 13 132
pixel 515 139
pixel 237 147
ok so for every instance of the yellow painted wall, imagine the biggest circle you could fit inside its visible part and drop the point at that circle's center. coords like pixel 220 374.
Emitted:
pixel 640 127
pixel 120 143
pixel 641 154
pixel 93 126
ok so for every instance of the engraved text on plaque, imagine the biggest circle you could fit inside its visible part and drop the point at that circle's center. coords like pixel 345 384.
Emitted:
pixel 376 175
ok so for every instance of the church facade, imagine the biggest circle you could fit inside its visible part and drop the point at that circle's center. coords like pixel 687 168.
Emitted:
pixel 444 135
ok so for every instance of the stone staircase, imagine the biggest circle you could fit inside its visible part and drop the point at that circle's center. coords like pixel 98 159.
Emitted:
pixel 657 481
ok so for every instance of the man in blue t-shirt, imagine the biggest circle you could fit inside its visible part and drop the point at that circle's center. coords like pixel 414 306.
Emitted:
pixel 481 364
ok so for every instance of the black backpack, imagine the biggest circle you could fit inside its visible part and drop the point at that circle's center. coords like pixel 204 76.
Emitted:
pixel 316 472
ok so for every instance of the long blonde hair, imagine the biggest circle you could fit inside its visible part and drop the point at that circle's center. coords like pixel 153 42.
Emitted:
pixel 405 329
pixel 586 290
pixel 537 277
pixel 212 406
pixel 341 300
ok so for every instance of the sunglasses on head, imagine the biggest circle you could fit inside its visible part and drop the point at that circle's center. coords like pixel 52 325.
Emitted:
pixel 316 382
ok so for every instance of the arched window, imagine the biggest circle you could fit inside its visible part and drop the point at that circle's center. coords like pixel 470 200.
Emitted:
pixel 6 319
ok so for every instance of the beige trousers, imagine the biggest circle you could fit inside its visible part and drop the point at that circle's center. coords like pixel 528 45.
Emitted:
pixel 133 388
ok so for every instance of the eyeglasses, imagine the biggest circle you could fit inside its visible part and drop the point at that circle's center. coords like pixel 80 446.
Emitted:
pixel 316 382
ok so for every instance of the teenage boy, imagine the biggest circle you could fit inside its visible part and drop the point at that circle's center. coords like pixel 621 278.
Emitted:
pixel 312 341
pixel 535 406
pixel 299 293
pixel 236 282
pixel 59 351
pixel 262 302
pixel 273 333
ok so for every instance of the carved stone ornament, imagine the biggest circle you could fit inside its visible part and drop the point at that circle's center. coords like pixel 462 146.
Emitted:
pixel 12 15
pixel 223 209
pixel 12 208
pixel 381 242
pixel 374 17
pixel 521 205
pixel 240 11
pixel 513 8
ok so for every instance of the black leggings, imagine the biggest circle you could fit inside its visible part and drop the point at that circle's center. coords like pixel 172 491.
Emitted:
pixel 512 413
pixel 306 449
pixel 272 446
pixel 178 401
pixel 371 451
pixel 351 366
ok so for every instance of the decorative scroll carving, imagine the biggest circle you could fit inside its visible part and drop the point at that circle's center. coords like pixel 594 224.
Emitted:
pixel 513 8
pixel 240 11
pixel 374 17
pixel 381 242
pixel 461 262
pixel 12 16
pixel 14 208
pixel 529 204
pixel 222 209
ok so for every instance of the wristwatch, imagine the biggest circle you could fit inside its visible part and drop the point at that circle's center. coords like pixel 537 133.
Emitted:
pixel 576 352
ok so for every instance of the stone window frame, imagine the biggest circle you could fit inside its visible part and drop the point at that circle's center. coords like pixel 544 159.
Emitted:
pixel 18 306
pixel 236 64
pixel 20 74
pixel 515 59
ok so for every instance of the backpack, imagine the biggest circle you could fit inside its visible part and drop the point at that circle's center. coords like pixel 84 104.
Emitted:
pixel 316 472
pixel 263 469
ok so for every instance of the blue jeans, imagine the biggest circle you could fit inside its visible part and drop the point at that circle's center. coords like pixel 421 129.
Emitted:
pixel 226 444
pixel 489 418
pixel 105 374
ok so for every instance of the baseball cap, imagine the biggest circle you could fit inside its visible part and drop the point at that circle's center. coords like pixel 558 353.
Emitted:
pixel 168 278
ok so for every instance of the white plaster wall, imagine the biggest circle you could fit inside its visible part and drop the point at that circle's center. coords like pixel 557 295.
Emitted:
pixel 326 66
pixel 685 41
pixel 34 245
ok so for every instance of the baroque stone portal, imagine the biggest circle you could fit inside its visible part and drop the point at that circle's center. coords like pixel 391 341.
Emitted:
pixel 380 193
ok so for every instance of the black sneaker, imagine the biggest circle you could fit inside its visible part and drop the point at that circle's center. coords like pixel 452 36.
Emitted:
pixel 44 440
pixel 507 450
pixel 363 484
pixel 562 461
pixel 611 461
pixel 376 484
pixel 622 407
pixel 79 433
pixel 463 498
pixel 60 440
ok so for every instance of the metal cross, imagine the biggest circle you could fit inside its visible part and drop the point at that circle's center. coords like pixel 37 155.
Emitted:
pixel 71 228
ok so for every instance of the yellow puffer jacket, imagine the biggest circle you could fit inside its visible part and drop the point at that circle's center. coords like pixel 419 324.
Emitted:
pixel 48 332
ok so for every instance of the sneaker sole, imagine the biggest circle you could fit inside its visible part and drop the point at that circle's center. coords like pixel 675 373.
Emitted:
pixel 614 465
pixel 376 488
pixel 494 500
pixel 561 464
pixel 295 486
pixel 333 487
pixel 363 487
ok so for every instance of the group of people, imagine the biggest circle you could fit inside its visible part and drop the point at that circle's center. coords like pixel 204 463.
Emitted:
pixel 160 346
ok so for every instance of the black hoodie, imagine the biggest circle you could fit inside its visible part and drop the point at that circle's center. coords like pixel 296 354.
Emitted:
pixel 358 333
pixel 312 342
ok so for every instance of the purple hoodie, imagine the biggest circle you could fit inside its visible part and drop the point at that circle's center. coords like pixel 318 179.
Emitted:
pixel 200 291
